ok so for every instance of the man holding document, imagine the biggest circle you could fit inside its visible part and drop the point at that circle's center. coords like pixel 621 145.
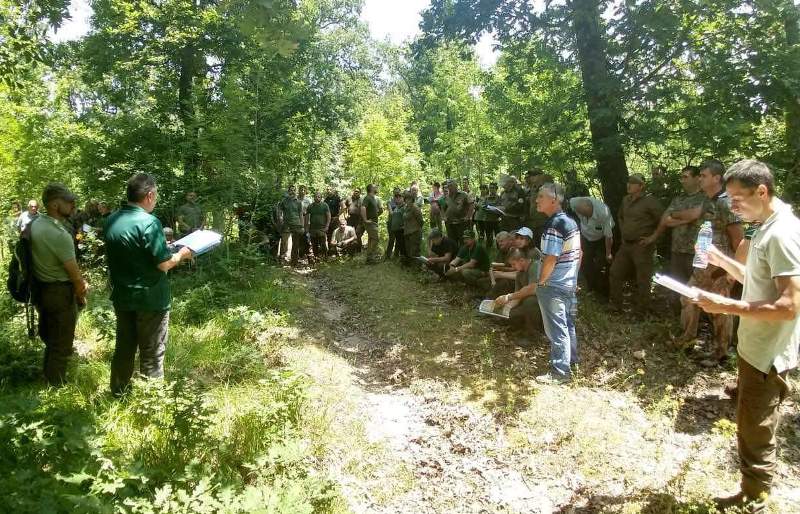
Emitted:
pixel 138 261
pixel 769 330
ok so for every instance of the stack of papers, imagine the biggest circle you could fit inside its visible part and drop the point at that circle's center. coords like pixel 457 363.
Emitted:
pixel 680 288
pixel 200 241
pixel 490 308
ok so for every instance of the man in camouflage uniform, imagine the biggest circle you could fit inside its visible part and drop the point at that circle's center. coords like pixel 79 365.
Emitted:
pixel 371 210
pixel 513 203
pixel 318 218
pixel 639 216
pixel 291 216
pixel 727 234
pixel 534 219
pixel 455 211
pixel 412 226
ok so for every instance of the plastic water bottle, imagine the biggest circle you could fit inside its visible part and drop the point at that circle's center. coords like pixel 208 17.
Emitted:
pixel 704 239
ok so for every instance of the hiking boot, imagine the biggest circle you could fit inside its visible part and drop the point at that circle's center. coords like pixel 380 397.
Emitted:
pixel 739 503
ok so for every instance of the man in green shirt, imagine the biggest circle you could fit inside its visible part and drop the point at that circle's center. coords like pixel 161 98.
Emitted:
pixel 319 218
pixel 371 209
pixel 190 215
pixel 60 286
pixel 456 209
pixel 472 262
pixel 138 261
pixel 412 226
pixel 290 216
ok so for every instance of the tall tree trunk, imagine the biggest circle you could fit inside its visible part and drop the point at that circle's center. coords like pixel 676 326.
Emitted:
pixel 601 93
pixel 792 27
pixel 188 70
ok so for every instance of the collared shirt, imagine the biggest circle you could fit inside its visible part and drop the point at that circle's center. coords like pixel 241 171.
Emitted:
pixel 639 217
pixel 456 207
pixel 600 224
pixel 774 252
pixel 562 238
pixel 51 247
pixel 23 220
pixel 684 236
pixel 135 246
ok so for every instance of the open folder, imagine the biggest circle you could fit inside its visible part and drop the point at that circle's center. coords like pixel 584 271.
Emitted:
pixel 490 308
pixel 200 241
pixel 680 288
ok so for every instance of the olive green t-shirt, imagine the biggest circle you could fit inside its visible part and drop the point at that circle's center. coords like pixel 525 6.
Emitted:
pixel 318 215
pixel 135 246
pixel 478 253
pixel 51 247
pixel 190 217
pixel 373 207
pixel 292 211
pixel 412 219
pixel 396 219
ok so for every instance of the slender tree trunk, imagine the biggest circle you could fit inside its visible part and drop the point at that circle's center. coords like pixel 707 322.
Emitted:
pixel 792 27
pixel 601 93
pixel 188 70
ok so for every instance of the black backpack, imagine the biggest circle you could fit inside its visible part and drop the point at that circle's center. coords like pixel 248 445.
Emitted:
pixel 21 283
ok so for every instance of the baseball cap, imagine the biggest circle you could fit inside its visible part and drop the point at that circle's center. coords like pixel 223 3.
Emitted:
pixel 55 191
pixel 468 234
pixel 524 231
pixel 636 178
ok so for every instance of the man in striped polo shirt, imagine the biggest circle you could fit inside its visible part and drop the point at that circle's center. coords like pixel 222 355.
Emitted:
pixel 558 280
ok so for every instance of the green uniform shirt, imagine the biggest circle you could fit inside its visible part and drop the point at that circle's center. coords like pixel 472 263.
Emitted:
pixel 639 218
pixel 396 219
pixel 456 207
pixel 318 215
pixel 480 212
pixel 512 201
pixel 478 253
pixel 135 246
pixel 412 219
pixel 192 217
pixel 718 211
pixel 292 211
pixel 373 207
pixel 685 236
pixel 51 247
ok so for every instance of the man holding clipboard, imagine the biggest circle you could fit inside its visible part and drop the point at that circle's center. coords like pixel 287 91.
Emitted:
pixel 138 261
pixel 769 330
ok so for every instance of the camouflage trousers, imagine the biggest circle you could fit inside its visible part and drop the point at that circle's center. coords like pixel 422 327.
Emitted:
pixel 715 280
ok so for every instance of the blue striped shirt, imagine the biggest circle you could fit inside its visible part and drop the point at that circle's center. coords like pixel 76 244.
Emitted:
pixel 561 237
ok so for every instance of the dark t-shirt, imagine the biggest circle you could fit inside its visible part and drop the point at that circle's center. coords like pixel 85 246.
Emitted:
pixel 334 204
pixel 446 245
pixel 373 208
pixel 317 215
pixel 478 253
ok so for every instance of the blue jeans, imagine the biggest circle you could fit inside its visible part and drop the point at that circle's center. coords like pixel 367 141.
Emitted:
pixel 559 309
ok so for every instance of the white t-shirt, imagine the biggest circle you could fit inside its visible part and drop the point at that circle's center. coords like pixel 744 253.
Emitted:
pixel 774 252
pixel 600 225
pixel 340 234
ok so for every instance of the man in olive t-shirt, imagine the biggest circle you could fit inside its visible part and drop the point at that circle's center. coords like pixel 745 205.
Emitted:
pixel 138 261
pixel 319 218
pixel 190 215
pixel 472 262
pixel 371 209
pixel 291 215
pixel 61 288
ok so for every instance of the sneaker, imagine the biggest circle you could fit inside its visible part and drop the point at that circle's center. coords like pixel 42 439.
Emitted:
pixel 551 379
pixel 739 503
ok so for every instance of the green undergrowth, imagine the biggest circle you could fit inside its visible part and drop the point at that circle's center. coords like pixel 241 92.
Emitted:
pixel 225 431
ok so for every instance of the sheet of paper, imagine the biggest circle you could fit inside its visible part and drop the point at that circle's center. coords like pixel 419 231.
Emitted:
pixel 673 285
pixel 488 307
pixel 200 241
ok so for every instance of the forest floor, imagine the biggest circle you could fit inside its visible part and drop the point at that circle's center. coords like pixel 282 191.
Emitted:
pixel 436 409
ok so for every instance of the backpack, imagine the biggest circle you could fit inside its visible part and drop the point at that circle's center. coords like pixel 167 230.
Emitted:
pixel 21 282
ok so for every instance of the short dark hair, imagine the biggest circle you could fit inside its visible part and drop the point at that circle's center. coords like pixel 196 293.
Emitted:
pixel 751 174
pixel 437 184
pixel 516 255
pixel 138 186
pixel 693 170
pixel 714 166
pixel 370 188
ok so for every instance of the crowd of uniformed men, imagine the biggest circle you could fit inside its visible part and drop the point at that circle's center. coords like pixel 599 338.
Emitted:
pixel 541 243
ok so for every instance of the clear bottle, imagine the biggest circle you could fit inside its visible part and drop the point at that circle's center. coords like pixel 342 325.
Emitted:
pixel 704 240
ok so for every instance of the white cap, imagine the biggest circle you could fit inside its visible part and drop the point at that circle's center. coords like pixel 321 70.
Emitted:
pixel 525 231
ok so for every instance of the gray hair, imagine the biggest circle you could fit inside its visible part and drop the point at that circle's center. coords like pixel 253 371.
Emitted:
pixel 554 190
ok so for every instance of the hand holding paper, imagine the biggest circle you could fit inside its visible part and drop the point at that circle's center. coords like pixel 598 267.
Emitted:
pixel 200 241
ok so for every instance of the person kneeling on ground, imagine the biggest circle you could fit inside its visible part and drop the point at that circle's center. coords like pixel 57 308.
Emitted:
pixel 344 240
pixel 472 262
pixel 441 251
pixel 502 276
pixel 525 306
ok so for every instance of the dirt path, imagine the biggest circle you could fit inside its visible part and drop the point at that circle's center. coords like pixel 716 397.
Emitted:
pixel 452 450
